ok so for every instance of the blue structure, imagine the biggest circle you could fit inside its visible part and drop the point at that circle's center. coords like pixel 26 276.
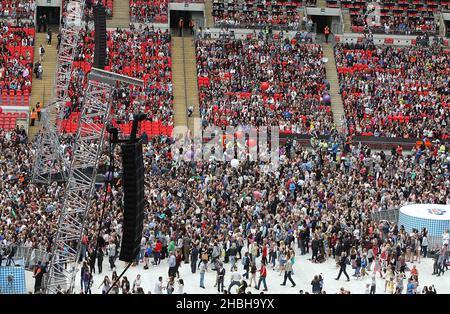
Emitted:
pixel 434 217
pixel 12 280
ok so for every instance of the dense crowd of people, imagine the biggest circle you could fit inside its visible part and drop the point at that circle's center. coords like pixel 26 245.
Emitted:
pixel 397 25
pixel 395 91
pixel 212 214
pixel 234 219
pixel 16 61
pixel 140 53
pixel 236 70
pixel 17 9
pixel 404 18
pixel 149 11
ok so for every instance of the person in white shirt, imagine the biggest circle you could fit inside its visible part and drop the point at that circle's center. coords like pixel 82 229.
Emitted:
pixel 159 286
pixel 235 280
pixel 136 283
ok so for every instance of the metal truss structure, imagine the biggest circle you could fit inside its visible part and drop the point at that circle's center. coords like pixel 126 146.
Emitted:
pixel 87 150
pixel 49 158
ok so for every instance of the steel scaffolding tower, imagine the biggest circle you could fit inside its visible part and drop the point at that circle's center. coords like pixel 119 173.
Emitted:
pixel 88 147
pixel 49 157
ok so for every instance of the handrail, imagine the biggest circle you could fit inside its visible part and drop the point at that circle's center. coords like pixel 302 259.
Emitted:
pixel 30 255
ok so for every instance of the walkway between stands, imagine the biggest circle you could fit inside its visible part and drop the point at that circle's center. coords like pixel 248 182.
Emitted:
pixel 185 89
pixel 336 101
pixel 121 15
pixel 42 90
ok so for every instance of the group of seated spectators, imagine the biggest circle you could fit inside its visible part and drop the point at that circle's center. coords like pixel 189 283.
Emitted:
pixel 258 14
pixel 16 62
pixel 143 54
pixel 231 74
pixel 149 11
pixel 395 91
pixel 320 199
pixel 392 17
pixel 395 25
pixel 17 9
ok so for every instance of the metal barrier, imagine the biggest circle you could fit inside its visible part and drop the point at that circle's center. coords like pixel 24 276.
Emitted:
pixel 29 255
pixel 387 214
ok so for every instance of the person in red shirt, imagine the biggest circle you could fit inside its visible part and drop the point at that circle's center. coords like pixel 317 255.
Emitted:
pixel 262 277
pixel 264 253
pixel 157 252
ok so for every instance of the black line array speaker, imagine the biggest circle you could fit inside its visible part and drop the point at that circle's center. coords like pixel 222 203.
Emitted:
pixel 100 36
pixel 133 200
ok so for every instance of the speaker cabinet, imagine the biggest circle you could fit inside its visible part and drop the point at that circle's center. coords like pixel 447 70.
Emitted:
pixel 100 37
pixel 133 200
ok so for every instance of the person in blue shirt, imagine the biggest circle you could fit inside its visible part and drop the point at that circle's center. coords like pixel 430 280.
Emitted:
pixel 411 287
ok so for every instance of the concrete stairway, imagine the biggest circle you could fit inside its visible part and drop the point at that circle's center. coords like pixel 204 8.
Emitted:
pixel 184 75
pixel 179 90
pixel 42 90
pixel 321 3
pixel 190 74
pixel 208 13
pixel 337 106
pixel 121 15
pixel 347 21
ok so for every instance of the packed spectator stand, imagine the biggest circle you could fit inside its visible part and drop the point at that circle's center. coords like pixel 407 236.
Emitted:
pixel 16 70
pixel 230 74
pixel 323 195
pixel 283 14
pixel 395 91
pixel 395 17
pixel 17 9
pixel 149 11
pixel 143 54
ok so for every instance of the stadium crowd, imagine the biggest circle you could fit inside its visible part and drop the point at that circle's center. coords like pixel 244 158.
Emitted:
pixel 145 11
pixel 16 62
pixel 232 74
pixel 395 91
pixel 396 25
pixel 212 214
pixel 17 9
pixel 140 53
pixel 250 14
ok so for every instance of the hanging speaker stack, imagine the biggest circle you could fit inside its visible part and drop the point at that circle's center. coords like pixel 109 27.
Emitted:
pixel 100 37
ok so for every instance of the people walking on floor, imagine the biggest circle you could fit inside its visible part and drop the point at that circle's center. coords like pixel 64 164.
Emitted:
pixel 235 280
pixel 220 278
pixel 288 272
pixel 343 262
pixel 262 277
pixel 203 268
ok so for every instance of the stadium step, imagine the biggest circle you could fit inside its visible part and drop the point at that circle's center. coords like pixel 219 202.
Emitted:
pixel 184 76
pixel 42 90
pixel 190 72
pixel 439 19
pixel 121 15
pixel 337 106
pixel 179 90
pixel 347 21
pixel 208 13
